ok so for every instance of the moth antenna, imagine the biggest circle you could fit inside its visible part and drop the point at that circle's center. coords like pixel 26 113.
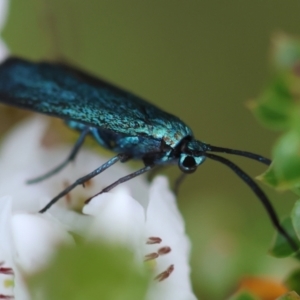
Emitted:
pixel 259 193
pixel 247 154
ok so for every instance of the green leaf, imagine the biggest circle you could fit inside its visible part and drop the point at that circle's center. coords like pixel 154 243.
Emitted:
pixel 295 215
pixel 269 177
pixel 293 281
pixel 287 160
pixel 275 105
pixel 278 106
pixel 295 117
pixel 90 272
pixel 281 247
pixel 289 296
pixel 243 295
pixel 284 172
pixel 296 189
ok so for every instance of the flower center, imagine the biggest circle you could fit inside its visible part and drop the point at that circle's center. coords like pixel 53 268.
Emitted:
pixel 7 278
pixel 155 255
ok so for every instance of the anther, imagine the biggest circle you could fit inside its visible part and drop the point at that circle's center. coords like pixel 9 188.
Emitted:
pixel 164 275
pixel 6 297
pixel 151 256
pixel 6 271
pixel 153 240
pixel 88 183
pixel 164 250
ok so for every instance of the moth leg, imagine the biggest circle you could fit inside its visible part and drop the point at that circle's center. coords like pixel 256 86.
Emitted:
pixel 82 180
pixel 70 158
pixel 123 179
pixel 178 183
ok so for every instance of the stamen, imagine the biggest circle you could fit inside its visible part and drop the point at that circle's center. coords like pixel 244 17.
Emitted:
pixel 6 271
pixel 153 240
pixel 49 139
pixel 154 255
pixel 164 250
pixel 6 297
pixel 88 183
pixel 151 256
pixel 164 275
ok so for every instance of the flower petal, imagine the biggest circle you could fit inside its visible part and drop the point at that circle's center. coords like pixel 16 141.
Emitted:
pixel 164 221
pixel 35 239
pixel 4 52
pixel 3 12
pixel 3 16
pixel 6 245
pixel 118 218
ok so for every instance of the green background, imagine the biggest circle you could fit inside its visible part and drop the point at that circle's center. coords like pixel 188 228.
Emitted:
pixel 202 61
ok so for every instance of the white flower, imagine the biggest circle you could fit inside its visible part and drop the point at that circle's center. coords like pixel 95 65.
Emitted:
pixel 3 16
pixel 165 221
pixel 143 218
pixel 157 234
pixel 27 242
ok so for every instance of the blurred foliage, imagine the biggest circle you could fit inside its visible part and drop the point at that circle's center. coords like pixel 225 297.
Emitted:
pixel 88 271
pixel 290 296
pixel 254 288
pixel 279 109
pixel 292 281
pixel 281 247
pixel 243 296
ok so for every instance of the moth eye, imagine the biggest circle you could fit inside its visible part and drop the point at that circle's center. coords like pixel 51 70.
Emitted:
pixel 187 164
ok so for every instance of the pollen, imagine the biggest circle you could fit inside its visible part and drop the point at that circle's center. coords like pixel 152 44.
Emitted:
pixel 8 283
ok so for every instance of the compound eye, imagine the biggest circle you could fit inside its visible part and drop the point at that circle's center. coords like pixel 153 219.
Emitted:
pixel 187 164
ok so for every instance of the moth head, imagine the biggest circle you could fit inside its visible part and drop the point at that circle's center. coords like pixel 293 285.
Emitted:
pixel 191 156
